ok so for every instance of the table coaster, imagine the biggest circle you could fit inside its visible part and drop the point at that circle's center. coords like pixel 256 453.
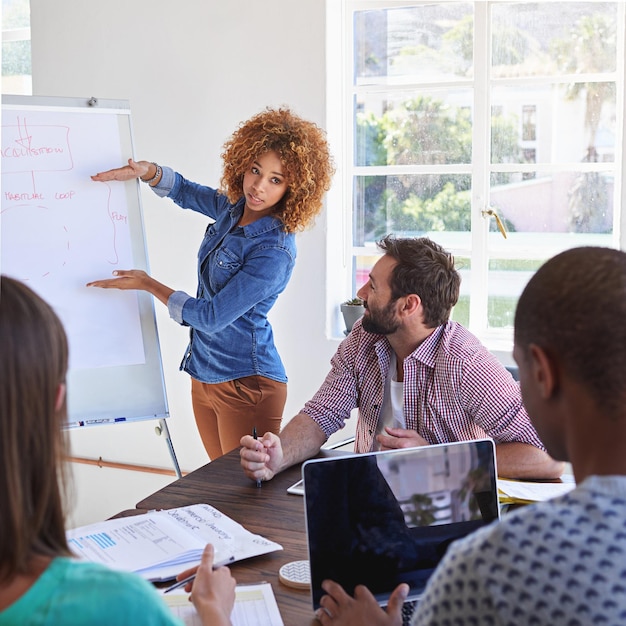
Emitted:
pixel 295 574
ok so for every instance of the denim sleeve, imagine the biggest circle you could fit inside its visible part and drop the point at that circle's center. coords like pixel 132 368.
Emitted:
pixel 175 304
pixel 166 183
pixel 262 277
pixel 189 195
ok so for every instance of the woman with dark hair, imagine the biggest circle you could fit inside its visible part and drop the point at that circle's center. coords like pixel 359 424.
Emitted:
pixel 40 582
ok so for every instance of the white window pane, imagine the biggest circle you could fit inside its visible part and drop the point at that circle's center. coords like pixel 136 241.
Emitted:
pixel 363 263
pixel 411 205
pixel 513 263
pixel 507 279
pixel 16 54
pixel 432 41
pixel 16 58
pixel 531 39
pixel 463 264
pixel 555 122
pixel 556 202
pixel 432 127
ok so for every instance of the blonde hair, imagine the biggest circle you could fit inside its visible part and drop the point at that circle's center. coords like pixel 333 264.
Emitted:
pixel 303 152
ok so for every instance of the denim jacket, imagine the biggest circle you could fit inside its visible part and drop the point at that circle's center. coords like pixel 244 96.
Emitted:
pixel 241 271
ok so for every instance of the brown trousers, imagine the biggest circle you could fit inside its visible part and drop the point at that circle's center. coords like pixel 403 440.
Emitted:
pixel 225 412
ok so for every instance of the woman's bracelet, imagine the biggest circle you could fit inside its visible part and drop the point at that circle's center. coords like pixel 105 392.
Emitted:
pixel 156 176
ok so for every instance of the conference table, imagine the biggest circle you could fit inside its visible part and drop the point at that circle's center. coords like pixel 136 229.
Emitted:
pixel 267 510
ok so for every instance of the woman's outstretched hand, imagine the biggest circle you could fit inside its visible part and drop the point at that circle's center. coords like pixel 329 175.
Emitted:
pixel 134 169
pixel 134 279
pixel 125 279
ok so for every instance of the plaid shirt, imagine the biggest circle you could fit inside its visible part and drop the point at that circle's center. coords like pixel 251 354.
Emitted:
pixel 454 389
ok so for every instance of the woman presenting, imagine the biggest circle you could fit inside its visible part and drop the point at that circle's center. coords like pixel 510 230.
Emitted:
pixel 276 170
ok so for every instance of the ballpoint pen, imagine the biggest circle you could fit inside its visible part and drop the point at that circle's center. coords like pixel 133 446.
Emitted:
pixel 258 481
pixel 184 581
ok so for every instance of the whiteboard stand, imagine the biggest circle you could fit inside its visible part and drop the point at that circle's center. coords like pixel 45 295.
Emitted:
pixel 61 230
pixel 163 430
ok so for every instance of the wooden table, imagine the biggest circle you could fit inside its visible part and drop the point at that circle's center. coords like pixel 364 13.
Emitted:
pixel 269 511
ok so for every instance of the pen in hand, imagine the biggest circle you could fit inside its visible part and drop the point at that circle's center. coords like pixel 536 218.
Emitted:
pixel 184 581
pixel 180 583
pixel 258 481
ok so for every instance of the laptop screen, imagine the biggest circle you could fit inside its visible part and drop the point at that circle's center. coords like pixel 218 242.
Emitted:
pixel 383 518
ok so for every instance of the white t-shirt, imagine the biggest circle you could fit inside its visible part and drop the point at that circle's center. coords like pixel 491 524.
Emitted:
pixel 392 411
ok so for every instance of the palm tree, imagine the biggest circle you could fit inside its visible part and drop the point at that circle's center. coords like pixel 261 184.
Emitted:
pixel 590 49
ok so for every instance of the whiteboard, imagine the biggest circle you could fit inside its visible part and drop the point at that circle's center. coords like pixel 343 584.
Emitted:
pixel 60 230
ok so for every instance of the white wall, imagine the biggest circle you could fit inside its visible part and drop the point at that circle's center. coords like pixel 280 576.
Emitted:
pixel 192 71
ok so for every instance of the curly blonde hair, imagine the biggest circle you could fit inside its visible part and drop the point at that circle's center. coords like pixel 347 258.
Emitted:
pixel 303 152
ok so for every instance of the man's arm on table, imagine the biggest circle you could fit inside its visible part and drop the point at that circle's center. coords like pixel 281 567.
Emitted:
pixel 301 439
pixel 263 458
pixel 525 461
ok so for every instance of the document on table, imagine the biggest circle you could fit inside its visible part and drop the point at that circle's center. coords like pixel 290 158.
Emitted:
pixel 254 604
pixel 160 544
pixel 518 491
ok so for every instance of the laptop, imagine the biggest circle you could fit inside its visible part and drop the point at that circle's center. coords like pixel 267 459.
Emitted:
pixel 383 518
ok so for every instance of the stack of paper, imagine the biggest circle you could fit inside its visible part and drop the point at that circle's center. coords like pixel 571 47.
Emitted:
pixel 254 604
pixel 161 544
pixel 526 492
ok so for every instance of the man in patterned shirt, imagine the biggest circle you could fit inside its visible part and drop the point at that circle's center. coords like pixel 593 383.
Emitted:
pixel 416 377
pixel 561 561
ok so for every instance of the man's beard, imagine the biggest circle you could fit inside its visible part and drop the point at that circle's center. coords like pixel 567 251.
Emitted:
pixel 381 322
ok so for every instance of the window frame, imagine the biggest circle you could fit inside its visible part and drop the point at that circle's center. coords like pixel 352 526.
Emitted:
pixel 340 126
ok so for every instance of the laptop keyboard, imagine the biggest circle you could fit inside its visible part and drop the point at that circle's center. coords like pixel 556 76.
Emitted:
pixel 407 612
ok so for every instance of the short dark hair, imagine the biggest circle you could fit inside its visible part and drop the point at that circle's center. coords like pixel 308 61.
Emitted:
pixel 574 308
pixel 426 269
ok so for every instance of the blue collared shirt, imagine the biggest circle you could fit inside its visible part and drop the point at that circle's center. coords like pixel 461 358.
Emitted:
pixel 241 272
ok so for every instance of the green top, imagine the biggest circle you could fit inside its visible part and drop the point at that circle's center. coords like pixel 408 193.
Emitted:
pixel 76 593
